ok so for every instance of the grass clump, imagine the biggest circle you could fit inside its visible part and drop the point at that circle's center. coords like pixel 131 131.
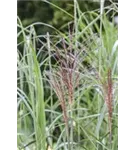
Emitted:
pixel 67 84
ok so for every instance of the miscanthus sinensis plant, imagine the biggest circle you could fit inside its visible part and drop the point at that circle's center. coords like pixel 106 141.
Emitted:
pixel 67 83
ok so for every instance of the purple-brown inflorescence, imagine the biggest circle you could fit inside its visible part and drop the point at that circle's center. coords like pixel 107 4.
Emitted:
pixel 66 78
pixel 109 99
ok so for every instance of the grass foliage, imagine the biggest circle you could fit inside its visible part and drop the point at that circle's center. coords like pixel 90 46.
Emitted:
pixel 67 84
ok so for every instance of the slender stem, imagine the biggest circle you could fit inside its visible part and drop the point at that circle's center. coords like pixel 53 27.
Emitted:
pixel 68 139
pixel 78 115
pixel 71 127
pixel 50 67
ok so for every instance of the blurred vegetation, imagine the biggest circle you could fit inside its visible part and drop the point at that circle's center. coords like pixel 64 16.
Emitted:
pixel 39 11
